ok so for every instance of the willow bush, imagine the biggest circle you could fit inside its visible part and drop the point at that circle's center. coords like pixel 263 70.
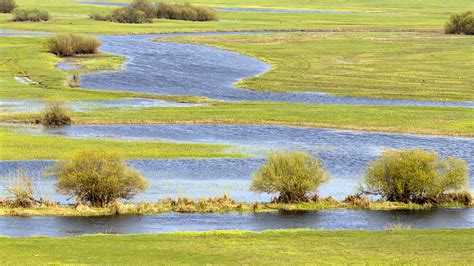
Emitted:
pixel 291 175
pixel 98 177
pixel 7 6
pixel 415 176
pixel 30 14
pixel 69 44
pixel 186 12
pixel 462 23
pixel 56 114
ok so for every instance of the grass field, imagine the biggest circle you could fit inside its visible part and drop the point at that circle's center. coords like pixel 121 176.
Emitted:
pixel 16 146
pixel 422 66
pixel 427 247
pixel 400 15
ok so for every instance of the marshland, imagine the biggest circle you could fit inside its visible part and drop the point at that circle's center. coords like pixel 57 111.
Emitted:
pixel 142 131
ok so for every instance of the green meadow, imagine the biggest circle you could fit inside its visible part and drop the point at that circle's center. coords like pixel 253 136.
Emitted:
pixel 427 247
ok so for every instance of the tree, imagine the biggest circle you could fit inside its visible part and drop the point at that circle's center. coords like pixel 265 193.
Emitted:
pixel 98 177
pixel 293 175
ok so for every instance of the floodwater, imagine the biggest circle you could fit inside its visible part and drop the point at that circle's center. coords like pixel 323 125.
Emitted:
pixel 175 222
pixel 83 106
pixel 187 69
pixel 345 155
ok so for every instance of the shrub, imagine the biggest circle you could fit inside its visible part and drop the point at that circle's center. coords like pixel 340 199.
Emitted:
pixel 98 177
pixel 68 44
pixel 462 23
pixel 101 17
pixel 415 176
pixel 145 7
pixel 293 175
pixel 55 114
pixel 129 15
pixel 20 189
pixel 186 12
pixel 7 6
pixel 30 14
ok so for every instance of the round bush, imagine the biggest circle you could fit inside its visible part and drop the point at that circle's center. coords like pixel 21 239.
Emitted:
pixel 7 6
pixel 415 176
pixel 145 7
pixel 292 175
pixel 129 15
pixel 98 177
pixel 461 24
pixel 69 44
pixel 186 12
pixel 56 114
pixel 30 14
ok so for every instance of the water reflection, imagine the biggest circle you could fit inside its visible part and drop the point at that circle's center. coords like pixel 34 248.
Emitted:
pixel 173 222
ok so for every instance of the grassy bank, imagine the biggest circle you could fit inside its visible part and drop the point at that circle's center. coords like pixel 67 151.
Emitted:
pixel 396 15
pixel 418 120
pixel 429 247
pixel 419 66
pixel 16 146
pixel 213 205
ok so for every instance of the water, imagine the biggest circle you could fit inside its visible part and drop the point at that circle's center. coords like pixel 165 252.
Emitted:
pixel 187 69
pixel 83 106
pixel 175 222
pixel 345 155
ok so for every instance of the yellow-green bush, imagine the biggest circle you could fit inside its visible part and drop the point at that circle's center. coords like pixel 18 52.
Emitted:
pixel 30 14
pixel 55 114
pixel 69 44
pixel 98 177
pixel 292 175
pixel 415 176
pixel 145 7
pixel 7 6
pixel 186 12
pixel 462 23
pixel 129 15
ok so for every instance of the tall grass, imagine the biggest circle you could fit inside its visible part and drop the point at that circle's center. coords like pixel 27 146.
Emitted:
pixel 7 6
pixel 462 23
pixel 20 189
pixel 186 12
pixel 69 44
pixel 30 14
pixel 55 114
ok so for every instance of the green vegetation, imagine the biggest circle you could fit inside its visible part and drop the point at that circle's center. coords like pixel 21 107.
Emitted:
pixel 186 12
pixel 30 14
pixel 7 6
pixel 69 44
pixel 420 66
pixel 428 247
pixel 292 175
pixel 144 6
pixel 129 15
pixel 416 176
pixel 56 114
pixel 461 24
pixel 98 177
pixel 17 146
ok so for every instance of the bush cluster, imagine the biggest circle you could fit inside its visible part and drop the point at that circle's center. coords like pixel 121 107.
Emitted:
pixel 293 175
pixel 56 114
pixel 186 12
pixel 461 24
pixel 30 14
pixel 7 6
pixel 69 44
pixel 141 11
pixel 98 177
pixel 415 176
